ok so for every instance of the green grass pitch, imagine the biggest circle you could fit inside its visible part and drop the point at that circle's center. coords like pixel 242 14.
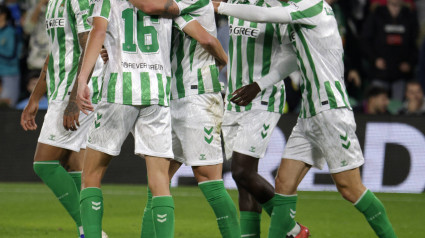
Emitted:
pixel 31 211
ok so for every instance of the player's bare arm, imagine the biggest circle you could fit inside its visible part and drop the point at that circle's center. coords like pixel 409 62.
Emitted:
pixel 30 111
pixel 254 13
pixel 71 113
pixel 244 95
pixel 94 44
pixel 167 8
pixel 210 43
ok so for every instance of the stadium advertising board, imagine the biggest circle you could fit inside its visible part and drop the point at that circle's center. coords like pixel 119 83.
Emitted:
pixel 393 147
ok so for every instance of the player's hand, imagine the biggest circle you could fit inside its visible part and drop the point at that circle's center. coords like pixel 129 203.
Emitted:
pixel 83 98
pixel 70 116
pixel 104 55
pixel 243 96
pixel 216 4
pixel 28 116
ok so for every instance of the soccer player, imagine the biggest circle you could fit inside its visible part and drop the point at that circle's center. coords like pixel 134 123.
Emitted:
pixel 197 111
pixel 255 50
pixel 60 142
pixel 135 97
pixel 325 131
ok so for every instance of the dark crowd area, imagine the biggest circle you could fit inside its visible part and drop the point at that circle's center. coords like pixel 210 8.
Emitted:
pixel 384 43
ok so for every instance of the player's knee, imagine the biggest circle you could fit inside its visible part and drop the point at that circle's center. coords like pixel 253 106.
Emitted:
pixel 240 174
pixel 285 186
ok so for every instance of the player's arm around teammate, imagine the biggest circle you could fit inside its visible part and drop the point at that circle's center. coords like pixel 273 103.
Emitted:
pixel 325 130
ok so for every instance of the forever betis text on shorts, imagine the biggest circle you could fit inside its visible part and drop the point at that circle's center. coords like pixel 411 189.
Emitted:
pixel 318 45
pixel 254 49
pixel 138 46
pixel 65 19
pixel 194 69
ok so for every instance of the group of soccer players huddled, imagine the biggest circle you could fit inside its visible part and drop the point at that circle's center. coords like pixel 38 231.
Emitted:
pixel 150 67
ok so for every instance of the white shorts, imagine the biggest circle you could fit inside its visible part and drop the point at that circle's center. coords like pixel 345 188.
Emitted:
pixel 150 126
pixel 329 136
pixel 248 132
pixel 53 133
pixel 196 124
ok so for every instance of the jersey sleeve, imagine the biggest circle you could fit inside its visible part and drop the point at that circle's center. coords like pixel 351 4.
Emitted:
pixel 81 13
pixel 100 8
pixel 192 7
pixel 286 64
pixel 181 21
pixel 300 13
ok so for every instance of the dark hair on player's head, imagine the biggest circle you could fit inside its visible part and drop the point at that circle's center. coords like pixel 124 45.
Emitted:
pixel 374 91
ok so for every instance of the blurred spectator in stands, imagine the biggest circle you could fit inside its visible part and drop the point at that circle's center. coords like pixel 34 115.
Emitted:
pixel 421 66
pixel 223 37
pixel 32 81
pixel 34 25
pixel 9 57
pixel 389 35
pixel 4 102
pixel 376 102
pixel 16 14
pixel 415 101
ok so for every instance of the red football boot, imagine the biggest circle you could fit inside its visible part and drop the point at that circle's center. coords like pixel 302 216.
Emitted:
pixel 304 233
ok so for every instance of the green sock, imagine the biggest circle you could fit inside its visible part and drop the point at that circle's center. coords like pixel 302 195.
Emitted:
pixel 223 206
pixel 148 230
pixel 76 176
pixel 250 224
pixel 282 218
pixel 91 212
pixel 163 216
pixel 62 185
pixel 268 206
pixel 375 214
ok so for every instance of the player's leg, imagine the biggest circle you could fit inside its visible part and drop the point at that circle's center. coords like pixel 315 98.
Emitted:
pixel 210 182
pixel 350 186
pixel 47 166
pixel 334 131
pixel 74 165
pixel 152 133
pixel 289 176
pixel 254 192
pixel 162 201
pixel 91 199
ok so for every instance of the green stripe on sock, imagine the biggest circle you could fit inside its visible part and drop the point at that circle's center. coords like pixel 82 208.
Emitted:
pixel 163 216
pixel 62 185
pixel 148 229
pixel 250 224
pixel 91 206
pixel 223 206
pixel 76 176
pixel 268 206
pixel 375 214
pixel 282 218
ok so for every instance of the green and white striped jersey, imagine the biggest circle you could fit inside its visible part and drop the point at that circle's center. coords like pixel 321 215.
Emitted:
pixel 254 49
pixel 65 19
pixel 194 70
pixel 138 45
pixel 318 45
pixel 96 80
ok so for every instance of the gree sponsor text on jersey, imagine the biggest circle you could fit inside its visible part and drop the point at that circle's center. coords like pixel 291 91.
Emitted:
pixel 55 22
pixel 244 31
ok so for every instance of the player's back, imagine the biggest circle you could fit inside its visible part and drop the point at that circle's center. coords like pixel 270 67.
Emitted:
pixel 138 46
pixel 254 49
pixel 65 19
pixel 314 34
pixel 194 69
